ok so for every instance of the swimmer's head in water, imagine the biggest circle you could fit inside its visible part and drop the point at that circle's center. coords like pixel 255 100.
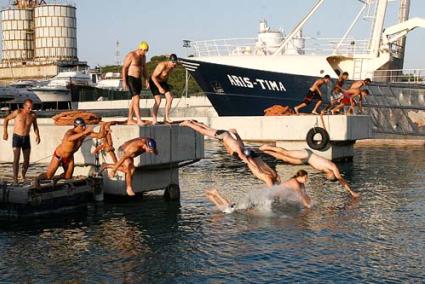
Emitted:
pixel 301 176
pixel 152 146
pixel 247 152
pixel 79 122
pixel 173 58
pixel 143 45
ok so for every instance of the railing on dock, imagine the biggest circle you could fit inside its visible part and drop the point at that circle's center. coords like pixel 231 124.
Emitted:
pixel 403 76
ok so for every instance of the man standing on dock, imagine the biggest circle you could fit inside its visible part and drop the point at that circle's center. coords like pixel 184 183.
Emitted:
pixel 64 153
pixel 133 69
pixel 314 93
pixel 126 154
pixel 24 118
pixel 159 87
pixel 306 156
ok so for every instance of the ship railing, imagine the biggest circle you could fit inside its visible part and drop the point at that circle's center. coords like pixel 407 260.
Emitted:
pixel 403 76
pixel 305 45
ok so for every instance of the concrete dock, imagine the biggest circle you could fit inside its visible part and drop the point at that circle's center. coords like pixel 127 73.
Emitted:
pixel 175 145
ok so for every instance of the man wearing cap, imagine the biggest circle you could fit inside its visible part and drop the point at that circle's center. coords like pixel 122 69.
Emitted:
pixel 64 153
pixel 133 69
pixel 159 87
pixel 126 154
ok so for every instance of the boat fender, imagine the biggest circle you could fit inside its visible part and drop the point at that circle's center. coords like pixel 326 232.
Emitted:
pixel 317 144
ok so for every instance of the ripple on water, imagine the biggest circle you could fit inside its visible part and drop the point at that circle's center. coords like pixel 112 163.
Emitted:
pixel 378 238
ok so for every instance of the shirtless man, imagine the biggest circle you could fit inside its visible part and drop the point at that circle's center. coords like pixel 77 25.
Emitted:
pixel 106 144
pixel 64 153
pixel 337 92
pixel 314 93
pixel 126 153
pixel 234 145
pixel 158 85
pixel 360 83
pixel 296 184
pixel 306 156
pixel 24 118
pixel 133 69
pixel 349 99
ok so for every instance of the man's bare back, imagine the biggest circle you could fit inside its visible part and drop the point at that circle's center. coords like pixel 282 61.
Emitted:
pixel 163 71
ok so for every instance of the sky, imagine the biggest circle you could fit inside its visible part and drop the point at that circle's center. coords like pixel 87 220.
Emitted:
pixel 165 24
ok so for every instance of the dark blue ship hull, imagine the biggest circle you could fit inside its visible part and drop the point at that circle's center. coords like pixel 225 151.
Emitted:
pixel 235 91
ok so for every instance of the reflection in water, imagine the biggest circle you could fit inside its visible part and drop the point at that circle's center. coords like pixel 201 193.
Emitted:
pixel 379 237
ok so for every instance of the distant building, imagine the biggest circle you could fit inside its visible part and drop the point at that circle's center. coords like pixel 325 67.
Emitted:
pixel 39 40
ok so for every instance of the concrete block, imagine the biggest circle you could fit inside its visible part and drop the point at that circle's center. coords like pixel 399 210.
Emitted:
pixel 175 144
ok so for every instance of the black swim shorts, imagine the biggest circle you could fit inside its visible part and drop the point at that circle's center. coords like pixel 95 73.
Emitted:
pixel 22 142
pixel 134 85
pixel 312 96
pixel 155 90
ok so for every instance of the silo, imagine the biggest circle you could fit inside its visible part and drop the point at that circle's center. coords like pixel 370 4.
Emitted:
pixel 18 34
pixel 55 32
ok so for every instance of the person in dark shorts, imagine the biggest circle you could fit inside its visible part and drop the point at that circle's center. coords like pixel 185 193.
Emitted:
pixel 158 85
pixel 133 70
pixel 314 93
pixel 23 118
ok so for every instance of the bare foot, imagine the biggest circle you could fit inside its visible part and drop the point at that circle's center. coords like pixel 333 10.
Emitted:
pixel 130 192
pixel 131 122
pixel 112 174
pixel 154 121
pixel 314 112
pixel 141 123
pixel 184 123
pixel 169 121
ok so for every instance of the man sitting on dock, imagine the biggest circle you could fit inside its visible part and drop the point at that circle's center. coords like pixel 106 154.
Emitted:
pixel 306 156
pixel 64 153
pixel 126 154
pixel 159 87
pixel 133 69
pixel 234 145
pixel 23 118
pixel 314 93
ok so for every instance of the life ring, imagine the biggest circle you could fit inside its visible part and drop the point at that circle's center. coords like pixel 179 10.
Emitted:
pixel 317 144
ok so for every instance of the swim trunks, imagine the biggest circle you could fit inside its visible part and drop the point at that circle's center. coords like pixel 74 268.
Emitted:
pixel 220 134
pixel 22 142
pixel 346 100
pixel 63 161
pixel 312 96
pixel 134 85
pixel 154 89
pixel 336 96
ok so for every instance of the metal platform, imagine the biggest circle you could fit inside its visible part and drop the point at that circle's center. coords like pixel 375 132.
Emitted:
pixel 26 200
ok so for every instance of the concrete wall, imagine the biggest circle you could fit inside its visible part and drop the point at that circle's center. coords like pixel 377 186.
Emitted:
pixel 295 128
pixel 175 144
pixel 28 72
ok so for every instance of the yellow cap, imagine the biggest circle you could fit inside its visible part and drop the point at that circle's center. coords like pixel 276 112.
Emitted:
pixel 144 45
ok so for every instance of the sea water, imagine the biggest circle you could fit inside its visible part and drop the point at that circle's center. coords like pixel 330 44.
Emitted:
pixel 377 238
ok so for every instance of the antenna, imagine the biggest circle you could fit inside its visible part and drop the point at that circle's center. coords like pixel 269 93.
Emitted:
pixel 117 53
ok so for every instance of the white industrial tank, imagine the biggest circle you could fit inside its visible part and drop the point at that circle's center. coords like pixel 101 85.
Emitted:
pixel 18 34
pixel 55 32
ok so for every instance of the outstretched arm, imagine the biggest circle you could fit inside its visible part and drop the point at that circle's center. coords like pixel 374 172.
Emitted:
pixel 344 183
pixel 36 131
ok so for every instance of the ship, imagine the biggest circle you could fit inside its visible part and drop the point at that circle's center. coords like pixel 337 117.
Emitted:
pixel 244 77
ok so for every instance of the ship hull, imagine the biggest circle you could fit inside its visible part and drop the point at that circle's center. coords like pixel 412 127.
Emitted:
pixel 395 108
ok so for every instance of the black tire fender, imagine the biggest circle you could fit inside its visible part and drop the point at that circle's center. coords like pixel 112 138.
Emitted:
pixel 317 145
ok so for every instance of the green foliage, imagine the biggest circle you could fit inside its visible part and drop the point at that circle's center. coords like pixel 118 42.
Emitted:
pixel 176 79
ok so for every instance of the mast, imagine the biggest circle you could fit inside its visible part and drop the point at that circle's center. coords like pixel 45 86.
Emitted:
pixel 298 27
pixel 378 27
pixel 402 17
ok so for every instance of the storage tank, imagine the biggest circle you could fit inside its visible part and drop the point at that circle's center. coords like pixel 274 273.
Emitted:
pixel 55 32
pixel 18 34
